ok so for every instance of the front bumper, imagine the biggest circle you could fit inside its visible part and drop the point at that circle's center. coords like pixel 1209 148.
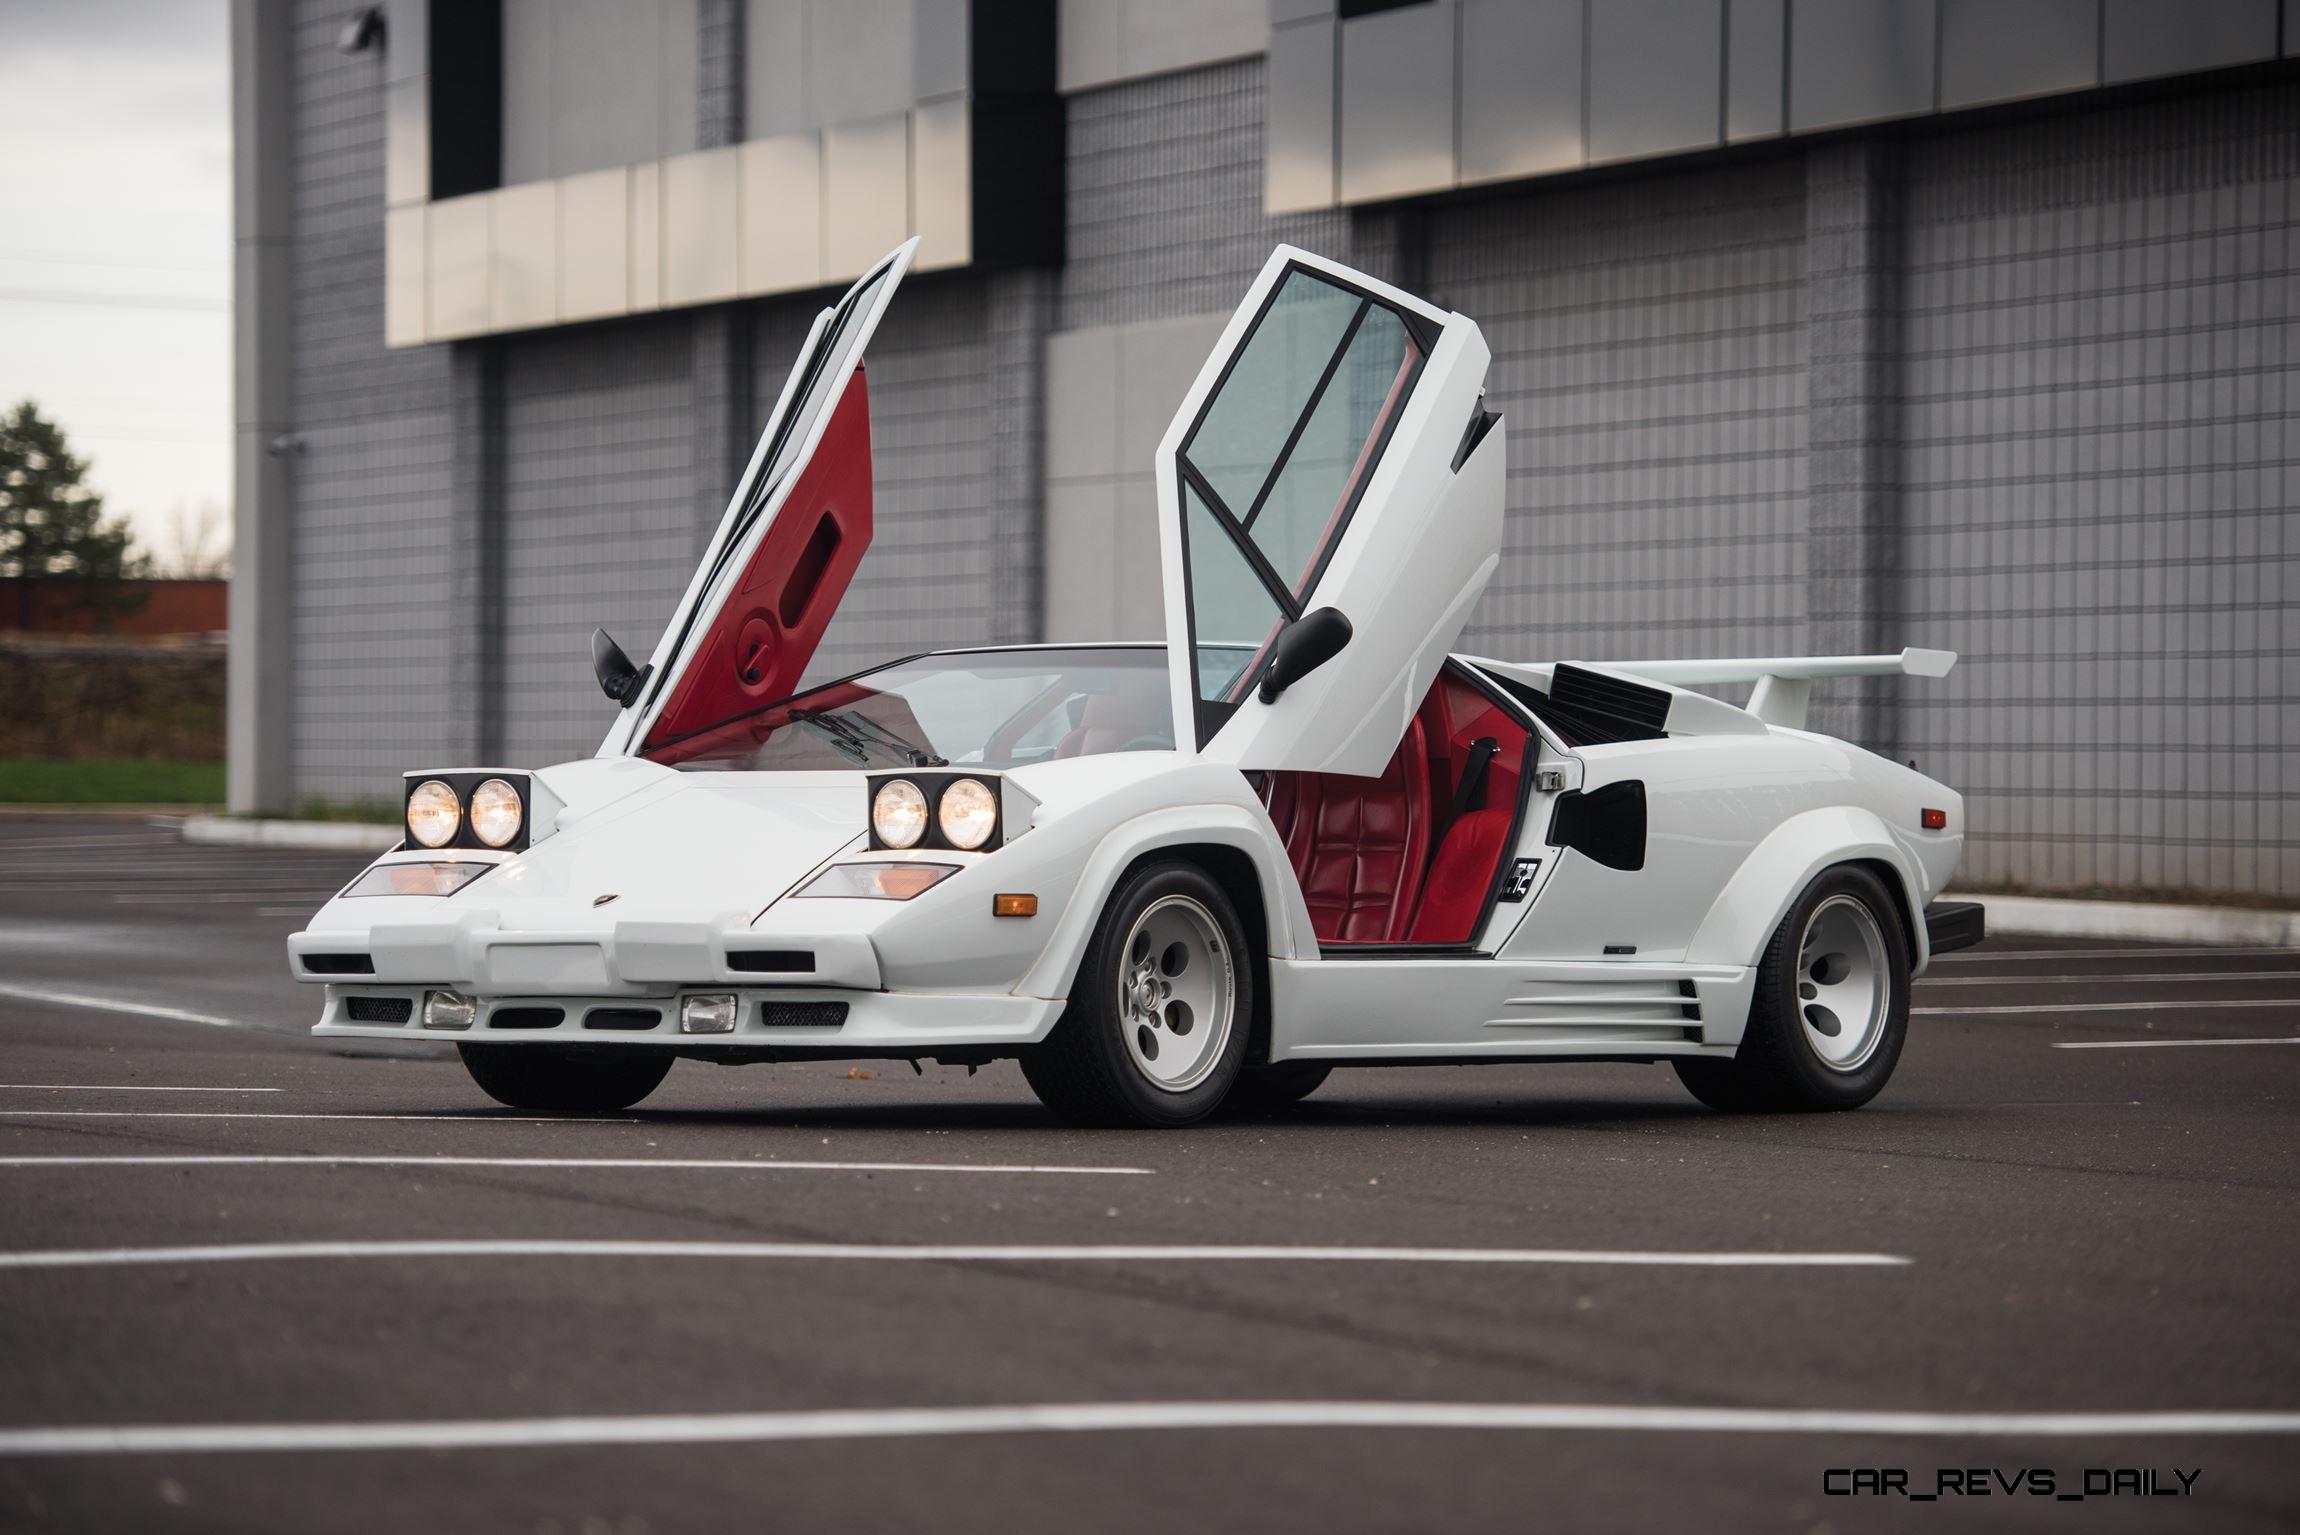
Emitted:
pixel 622 959
pixel 872 1023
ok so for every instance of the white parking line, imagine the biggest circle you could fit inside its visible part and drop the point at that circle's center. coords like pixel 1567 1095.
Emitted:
pixel 2166 1006
pixel 112 1005
pixel 1113 1417
pixel 669 1163
pixel 2138 976
pixel 464 1119
pixel 2199 951
pixel 2166 1044
pixel 121 1087
pixel 941 1252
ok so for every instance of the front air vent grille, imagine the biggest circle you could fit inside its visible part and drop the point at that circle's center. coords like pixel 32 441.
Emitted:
pixel 1691 1006
pixel 772 961
pixel 629 1020
pixel 339 964
pixel 378 1009
pixel 803 1015
pixel 527 1018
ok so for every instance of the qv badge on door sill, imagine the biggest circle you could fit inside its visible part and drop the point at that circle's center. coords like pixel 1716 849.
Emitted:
pixel 1521 879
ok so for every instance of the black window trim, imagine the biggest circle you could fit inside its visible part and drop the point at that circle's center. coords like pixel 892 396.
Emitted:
pixel 1211 716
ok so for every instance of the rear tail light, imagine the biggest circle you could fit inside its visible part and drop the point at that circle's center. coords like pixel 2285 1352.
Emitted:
pixel 1934 820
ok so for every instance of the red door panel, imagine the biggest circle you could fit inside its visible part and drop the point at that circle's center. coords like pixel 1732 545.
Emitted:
pixel 762 638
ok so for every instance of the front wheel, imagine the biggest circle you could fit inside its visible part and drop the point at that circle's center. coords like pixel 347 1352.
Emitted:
pixel 566 1080
pixel 1830 1010
pixel 1155 1032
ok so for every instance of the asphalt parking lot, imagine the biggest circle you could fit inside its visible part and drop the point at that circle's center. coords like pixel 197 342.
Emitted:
pixel 252 1282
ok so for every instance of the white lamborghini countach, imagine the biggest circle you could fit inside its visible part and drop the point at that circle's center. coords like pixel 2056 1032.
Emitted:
pixel 1301 833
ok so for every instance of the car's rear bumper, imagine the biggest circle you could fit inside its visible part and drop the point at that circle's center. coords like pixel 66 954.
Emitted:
pixel 1952 925
pixel 818 1020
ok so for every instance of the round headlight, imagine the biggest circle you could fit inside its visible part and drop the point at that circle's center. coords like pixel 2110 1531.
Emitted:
pixel 898 813
pixel 969 813
pixel 432 813
pixel 495 812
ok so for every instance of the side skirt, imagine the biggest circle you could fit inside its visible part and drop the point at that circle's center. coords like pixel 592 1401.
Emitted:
pixel 1501 1009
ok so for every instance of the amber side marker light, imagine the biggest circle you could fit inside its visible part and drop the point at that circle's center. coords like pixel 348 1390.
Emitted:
pixel 1934 820
pixel 1014 906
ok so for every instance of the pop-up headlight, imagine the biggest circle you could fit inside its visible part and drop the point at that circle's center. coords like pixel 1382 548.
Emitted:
pixel 959 811
pixel 476 808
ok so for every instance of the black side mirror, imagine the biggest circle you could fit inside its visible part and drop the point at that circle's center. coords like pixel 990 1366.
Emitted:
pixel 1303 646
pixel 618 678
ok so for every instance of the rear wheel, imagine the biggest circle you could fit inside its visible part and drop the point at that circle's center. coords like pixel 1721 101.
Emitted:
pixel 1155 1033
pixel 566 1079
pixel 1830 1010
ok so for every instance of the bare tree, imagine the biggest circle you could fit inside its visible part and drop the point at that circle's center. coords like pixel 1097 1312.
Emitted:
pixel 198 545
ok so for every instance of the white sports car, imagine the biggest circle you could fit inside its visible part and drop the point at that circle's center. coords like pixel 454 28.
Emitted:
pixel 1299 834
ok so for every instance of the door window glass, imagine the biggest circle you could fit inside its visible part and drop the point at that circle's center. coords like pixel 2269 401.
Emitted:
pixel 1276 463
pixel 1231 609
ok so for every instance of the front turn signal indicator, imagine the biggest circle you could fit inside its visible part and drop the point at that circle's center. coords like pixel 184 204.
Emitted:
pixel 1014 906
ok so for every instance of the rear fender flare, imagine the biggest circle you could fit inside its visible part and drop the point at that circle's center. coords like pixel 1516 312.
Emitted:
pixel 1286 915
pixel 1742 920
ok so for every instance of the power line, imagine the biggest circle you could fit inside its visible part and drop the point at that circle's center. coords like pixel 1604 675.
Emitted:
pixel 100 258
pixel 110 300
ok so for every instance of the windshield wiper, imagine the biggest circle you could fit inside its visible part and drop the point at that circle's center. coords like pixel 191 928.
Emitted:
pixel 913 753
pixel 838 732
pixel 847 733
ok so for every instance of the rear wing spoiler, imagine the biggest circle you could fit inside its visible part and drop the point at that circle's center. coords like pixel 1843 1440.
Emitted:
pixel 1785 683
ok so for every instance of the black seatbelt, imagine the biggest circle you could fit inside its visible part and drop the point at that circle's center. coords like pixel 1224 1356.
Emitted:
pixel 1469 794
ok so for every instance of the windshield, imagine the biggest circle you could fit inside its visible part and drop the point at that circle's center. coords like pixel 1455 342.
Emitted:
pixel 990 708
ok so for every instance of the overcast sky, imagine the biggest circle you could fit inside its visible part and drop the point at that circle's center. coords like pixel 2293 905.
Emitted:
pixel 116 242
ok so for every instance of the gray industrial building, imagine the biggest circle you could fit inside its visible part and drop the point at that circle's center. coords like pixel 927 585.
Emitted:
pixel 1819 325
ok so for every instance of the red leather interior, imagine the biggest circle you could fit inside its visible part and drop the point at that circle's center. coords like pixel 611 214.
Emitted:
pixel 1460 876
pixel 1361 847
pixel 758 644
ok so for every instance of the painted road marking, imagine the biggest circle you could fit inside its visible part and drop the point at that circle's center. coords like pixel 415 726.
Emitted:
pixel 112 1005
pixel 2094 980
pixel 1111 1417
pixel 121 1087
pixel 2199 951
pixel 674 1163
pixel 939 1252
pixel 463 1119
pixel 2109 1007
pixel 2163 1044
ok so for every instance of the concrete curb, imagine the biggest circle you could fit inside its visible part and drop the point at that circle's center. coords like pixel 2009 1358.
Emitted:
pixel 2045 917
pixel 313 836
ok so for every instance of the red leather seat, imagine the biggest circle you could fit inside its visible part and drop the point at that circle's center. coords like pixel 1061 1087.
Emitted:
pixel 1360 846
pixel 1460 877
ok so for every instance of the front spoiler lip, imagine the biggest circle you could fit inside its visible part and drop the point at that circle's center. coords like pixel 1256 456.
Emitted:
pixel 893 1023
pixel 631 958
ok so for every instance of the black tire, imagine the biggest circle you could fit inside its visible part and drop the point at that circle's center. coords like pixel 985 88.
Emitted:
pixel 1778 1069
pixel 1084 1071
pixel 1265 1088
pixel 562 1080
